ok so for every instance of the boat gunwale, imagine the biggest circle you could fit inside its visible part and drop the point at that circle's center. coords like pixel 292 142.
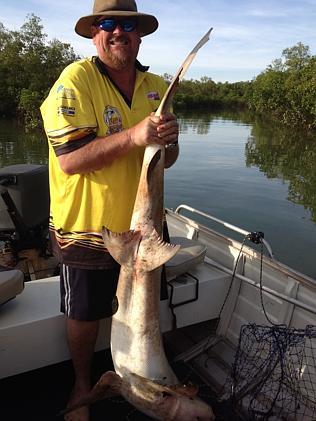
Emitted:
pixel 247 250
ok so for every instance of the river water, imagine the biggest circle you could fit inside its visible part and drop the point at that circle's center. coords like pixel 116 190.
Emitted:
pixel 253 174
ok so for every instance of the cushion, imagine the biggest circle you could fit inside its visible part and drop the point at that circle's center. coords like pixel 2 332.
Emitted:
pixel 11 284
pixel 190 254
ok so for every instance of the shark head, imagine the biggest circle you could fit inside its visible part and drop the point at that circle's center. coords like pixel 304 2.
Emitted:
pixel 186 408
pixel 163 402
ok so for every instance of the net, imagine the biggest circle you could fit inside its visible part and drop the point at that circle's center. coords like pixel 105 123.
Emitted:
pixel 274 372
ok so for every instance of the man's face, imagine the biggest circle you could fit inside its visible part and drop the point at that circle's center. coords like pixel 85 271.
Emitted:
pixel 117 49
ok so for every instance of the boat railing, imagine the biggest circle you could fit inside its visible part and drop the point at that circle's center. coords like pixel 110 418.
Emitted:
pixel 232 227
pixel 256 284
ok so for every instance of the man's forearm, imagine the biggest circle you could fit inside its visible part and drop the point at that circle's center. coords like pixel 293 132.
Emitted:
pixel 100 152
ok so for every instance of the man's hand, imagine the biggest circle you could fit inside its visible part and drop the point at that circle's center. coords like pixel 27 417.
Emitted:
pixel 161 130
pixel 168 128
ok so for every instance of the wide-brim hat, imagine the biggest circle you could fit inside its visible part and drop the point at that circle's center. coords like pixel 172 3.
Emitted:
pixel 146 24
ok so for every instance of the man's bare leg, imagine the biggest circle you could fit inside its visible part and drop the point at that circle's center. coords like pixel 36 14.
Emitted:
pixel 82 336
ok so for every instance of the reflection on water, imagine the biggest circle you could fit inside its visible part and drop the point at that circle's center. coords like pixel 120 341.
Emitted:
pixel 288 155
pixel 18 147
pixel 253 174
pixel 201 123
pixel 278 152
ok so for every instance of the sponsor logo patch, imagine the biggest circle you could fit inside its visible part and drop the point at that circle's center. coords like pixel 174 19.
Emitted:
pixel 66 110
pixel 65 93
pixel 153 95
pixel 112 119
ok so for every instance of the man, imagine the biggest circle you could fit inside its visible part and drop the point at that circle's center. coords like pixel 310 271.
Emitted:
pixel 98 118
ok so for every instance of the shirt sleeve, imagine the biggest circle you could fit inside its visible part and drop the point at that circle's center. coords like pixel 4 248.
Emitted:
pixel 68 113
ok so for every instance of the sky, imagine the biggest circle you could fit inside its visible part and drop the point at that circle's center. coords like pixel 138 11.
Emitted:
pixel 247 34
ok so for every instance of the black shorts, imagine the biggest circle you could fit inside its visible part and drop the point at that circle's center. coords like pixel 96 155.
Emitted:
pixel 88 294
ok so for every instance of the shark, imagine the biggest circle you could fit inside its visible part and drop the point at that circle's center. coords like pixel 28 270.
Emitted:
pixel 142 373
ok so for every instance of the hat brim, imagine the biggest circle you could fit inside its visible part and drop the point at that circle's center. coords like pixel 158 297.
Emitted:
pixel 146 24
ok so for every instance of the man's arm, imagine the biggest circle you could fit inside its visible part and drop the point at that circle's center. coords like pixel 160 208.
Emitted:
pixel 102 151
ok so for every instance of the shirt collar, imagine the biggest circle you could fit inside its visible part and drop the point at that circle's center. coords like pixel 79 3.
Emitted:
pixel 102 67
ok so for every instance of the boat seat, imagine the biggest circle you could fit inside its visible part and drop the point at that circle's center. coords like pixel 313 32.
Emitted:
pixel 190 254
pixel 11 284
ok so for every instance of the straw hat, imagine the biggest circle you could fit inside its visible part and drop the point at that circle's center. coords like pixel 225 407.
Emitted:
pixel 116 8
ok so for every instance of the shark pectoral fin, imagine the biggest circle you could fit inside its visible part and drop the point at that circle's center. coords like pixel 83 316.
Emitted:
pixel 122 246
pixel 154 252
pixel 108 385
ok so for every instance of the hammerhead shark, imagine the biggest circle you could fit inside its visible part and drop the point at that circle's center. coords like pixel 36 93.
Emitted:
pixel 142 373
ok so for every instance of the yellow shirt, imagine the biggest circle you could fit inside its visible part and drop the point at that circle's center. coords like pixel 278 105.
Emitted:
pixel 83 104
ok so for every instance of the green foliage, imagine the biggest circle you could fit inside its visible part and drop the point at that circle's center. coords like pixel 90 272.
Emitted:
pixel 296 58
pixel 286 91
pixel 28 68
pixel 29 65
pixel 287 88
pixel 29 104
pixel 206 94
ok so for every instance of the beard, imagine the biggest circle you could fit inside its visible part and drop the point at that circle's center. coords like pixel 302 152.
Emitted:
pixel 120 58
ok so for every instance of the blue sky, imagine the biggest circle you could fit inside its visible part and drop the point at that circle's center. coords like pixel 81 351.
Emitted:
pixel 247 34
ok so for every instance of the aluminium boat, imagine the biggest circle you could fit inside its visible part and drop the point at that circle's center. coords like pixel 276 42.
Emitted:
pixel 238 320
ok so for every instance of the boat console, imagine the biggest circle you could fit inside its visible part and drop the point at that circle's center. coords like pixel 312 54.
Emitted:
pixel 24 216
pixel 24 204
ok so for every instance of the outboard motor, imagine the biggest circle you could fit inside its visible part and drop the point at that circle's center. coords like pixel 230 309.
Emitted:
pixel 24 217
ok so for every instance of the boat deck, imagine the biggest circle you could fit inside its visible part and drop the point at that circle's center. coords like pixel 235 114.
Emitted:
pixel 251 296
pixel 35 315
pixel 40 395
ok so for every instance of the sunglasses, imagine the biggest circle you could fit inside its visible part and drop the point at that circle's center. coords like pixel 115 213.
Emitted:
pixel 108 25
